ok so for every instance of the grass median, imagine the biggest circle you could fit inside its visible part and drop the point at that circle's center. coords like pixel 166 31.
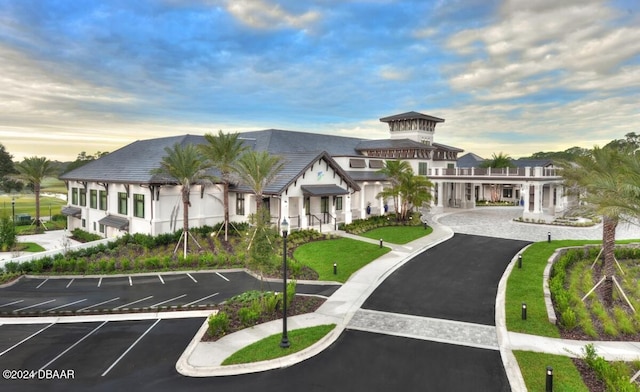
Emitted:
pixel 398 234
pixel 269 347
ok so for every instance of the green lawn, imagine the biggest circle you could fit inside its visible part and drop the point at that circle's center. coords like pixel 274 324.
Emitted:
pixel 398 234
pixel 269 348
pixel 533 367
pixel 30 247
pixel 53 185
pixel 349 255
pixel 26 204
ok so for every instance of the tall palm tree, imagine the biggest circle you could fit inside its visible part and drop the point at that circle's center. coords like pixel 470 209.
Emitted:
pixel 185 165
pixel 258 170
pixel 222 150
pixel 394 171
pixel 33 170
pixel 600 179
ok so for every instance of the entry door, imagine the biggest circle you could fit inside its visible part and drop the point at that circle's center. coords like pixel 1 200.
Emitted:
pixel 324 208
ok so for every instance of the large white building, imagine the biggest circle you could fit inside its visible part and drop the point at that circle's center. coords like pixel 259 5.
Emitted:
pixel 327 179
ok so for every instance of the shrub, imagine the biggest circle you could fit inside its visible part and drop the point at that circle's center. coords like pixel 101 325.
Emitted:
pixel 84 236
pixel 569 319
pixel 218 323
pixel 248 316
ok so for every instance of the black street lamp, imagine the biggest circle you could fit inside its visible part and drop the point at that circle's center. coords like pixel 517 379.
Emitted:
pixel 13 209
pixel 284 343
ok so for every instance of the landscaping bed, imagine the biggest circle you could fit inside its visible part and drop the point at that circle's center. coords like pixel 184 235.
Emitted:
pixel 298 305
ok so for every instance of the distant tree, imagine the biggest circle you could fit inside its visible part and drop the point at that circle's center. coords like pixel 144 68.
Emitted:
pixel 82 159
pixel 7 169
pixel 33 171
pixel 185 165
pixel 630 141
pixel 567 155
pixel 222 150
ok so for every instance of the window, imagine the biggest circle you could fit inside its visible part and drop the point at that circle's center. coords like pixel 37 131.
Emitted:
pixel 74 196
pixel 84 223
pixel 239 203
pixel 103 200
pixel 339 203
pixel 507 192
pixel 422 168
pixel 122 203
pixel 138 206
pixel 93 198
pixel 102 228
pixel 83 197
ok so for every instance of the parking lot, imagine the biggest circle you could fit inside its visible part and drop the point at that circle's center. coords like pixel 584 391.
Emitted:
pixel 81 356
pixel 63 295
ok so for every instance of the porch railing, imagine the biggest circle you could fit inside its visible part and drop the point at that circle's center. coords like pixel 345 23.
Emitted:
pixel 496 172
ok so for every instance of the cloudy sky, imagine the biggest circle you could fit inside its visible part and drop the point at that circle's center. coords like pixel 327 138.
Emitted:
pixel 513 76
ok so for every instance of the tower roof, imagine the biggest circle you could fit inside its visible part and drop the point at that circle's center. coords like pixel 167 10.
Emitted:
pixel 410 116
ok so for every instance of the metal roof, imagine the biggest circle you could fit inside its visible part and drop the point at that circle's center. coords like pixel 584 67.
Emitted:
pixel 323 190
pixel 118 222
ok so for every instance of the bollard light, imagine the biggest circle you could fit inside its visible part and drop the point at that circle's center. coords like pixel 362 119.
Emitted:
pixel 520 261
pixel 524 311
pixel 381 242
pixel 549 384
pixel 335 268
pixel 548 236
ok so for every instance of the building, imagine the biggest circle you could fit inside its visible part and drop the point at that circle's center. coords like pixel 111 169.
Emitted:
pixel 327 180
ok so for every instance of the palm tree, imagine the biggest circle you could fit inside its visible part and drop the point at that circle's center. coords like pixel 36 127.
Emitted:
pixel 601 181
pixel 184 165
pixel 258 170
pixel 497 161
pixel 222 150
pixel 414 190
pixel 33 170
pixel 394 171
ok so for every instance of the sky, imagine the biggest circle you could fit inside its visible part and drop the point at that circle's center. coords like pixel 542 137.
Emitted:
pixel 511 76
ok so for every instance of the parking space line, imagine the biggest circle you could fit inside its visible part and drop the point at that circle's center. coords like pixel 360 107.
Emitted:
pixel 65 305
pixel 71 281
pixel 201 299
pixel 222 276
pixel 130 281
pixel 98 304
pixel 169 300
pixel 162 280
pixel 12 303
pixel 25 339
pixel 33 306
pixel 100 282
pixel 43 282
pixel 192 278
pixel 130 347
pixel 134 302
pixel 75 344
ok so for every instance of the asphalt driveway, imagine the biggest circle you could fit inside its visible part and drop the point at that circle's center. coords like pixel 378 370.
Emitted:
pixel 456 280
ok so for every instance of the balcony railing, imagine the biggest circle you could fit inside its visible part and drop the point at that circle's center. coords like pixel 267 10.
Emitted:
pixel 493 172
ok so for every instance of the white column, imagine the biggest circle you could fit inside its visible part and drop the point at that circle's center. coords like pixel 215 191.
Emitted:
pixel 524 192
pixel 302 212
pixel 348 216
pixel 440 193
pixel 363 212
pixel 537 196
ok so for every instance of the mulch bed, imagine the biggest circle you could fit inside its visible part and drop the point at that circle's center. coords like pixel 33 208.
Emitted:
pixel 299 305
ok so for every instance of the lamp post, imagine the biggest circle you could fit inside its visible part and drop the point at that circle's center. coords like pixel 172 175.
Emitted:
pixel 284 343
pixel 13 209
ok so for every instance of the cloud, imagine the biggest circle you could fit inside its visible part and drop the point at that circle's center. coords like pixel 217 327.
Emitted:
pixel 261 14
pixel 536 44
